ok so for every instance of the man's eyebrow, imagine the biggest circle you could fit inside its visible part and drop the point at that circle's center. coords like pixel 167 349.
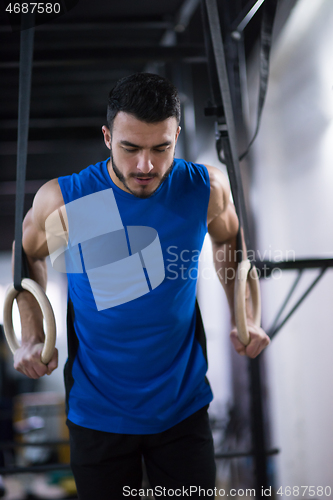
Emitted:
pixel 131 145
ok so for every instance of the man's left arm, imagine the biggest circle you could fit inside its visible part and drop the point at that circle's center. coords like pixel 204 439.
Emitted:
pixel 223 227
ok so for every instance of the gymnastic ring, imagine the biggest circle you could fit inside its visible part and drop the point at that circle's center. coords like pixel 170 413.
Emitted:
pixel 246 273
pixel 44 303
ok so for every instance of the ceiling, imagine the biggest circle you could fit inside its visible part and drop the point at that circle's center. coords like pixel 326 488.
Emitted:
pixel 77 59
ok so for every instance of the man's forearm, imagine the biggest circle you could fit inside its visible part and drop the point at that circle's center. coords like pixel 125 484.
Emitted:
pixel 225 262
pixel 225 255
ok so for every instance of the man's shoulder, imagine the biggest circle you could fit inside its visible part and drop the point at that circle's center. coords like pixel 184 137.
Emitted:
pixel 55 193
pixel 219 191
pixel 48 199
pixel 218 181
pixel 49 194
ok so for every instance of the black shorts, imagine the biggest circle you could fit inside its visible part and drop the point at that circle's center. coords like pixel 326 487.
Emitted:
pixel 108 466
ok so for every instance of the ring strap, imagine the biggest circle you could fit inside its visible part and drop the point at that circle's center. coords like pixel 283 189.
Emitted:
pixel 26 58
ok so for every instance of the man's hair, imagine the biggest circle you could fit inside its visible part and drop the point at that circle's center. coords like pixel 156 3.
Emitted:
pixel 149 97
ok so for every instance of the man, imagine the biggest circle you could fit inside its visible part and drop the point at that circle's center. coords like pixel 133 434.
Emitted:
pixel 135 375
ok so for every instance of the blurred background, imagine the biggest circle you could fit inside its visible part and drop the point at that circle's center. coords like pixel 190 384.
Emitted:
pixel 288 182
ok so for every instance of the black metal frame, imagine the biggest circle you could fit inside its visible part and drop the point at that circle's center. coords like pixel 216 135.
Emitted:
pixel 223 108
pixel 299 265
pixel 219 73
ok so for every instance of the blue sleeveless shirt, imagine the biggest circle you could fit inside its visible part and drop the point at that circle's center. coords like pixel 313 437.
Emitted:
pixel 137 360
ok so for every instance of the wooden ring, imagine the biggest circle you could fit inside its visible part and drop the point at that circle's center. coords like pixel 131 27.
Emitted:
pixel 246 274
pixel 44 303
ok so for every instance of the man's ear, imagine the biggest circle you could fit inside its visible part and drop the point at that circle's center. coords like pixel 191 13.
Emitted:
pixel 107 136
pixel 177 133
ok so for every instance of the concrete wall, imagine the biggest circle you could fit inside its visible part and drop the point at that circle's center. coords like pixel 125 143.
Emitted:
pixel 292 196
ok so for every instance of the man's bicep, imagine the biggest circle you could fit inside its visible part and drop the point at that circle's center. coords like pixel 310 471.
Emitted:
pixel 33 238
pixel 219 193
pixel 224 226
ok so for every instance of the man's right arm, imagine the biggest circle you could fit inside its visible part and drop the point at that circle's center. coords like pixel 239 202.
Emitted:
pixel 27 358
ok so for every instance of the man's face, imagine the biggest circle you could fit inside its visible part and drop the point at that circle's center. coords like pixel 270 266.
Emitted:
pixel 141 153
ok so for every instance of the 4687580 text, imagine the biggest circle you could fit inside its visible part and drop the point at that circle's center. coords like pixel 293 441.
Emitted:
pixel 304 491
pixel 31 7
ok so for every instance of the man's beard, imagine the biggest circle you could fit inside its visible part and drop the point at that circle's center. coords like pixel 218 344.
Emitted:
pixel 122 178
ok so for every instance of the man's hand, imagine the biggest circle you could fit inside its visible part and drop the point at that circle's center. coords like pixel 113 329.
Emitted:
pixel 27 361
pixel 258 341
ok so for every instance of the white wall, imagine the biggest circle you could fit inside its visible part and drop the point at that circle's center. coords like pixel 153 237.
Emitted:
pixel 292 196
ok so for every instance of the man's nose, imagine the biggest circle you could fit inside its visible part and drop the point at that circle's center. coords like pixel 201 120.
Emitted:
pixel 144 163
